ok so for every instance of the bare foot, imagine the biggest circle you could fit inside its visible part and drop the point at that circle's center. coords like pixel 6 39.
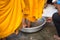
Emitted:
pixel 56 37
pixel 24 25
pixel 16 32
pixel 3 39
pixel 28 24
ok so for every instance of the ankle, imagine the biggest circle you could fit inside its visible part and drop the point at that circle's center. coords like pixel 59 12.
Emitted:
pixel 3 39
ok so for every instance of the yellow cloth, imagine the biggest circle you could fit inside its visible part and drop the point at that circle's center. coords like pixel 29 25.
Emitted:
pixel 11 14
pixel 34 9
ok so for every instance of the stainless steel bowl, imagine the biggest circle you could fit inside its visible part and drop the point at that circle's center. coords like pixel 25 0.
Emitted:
pixel 36 26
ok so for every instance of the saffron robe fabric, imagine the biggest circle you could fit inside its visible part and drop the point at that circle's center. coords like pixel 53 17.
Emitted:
pixel 13 11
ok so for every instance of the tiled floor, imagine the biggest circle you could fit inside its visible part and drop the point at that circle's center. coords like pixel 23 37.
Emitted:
pixel 45 34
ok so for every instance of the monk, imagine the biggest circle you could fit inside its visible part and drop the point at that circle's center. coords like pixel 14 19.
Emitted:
pixel 11 14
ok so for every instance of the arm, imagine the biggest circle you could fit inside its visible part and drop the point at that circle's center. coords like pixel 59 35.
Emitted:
pixel 57 5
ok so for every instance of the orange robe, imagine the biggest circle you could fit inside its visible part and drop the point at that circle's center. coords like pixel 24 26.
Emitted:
pixel 11 14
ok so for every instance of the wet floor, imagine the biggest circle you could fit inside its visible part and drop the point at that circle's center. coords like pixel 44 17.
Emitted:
pixel 45 34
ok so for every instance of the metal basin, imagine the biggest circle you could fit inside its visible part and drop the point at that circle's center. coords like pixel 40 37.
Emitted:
pixel 35 26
